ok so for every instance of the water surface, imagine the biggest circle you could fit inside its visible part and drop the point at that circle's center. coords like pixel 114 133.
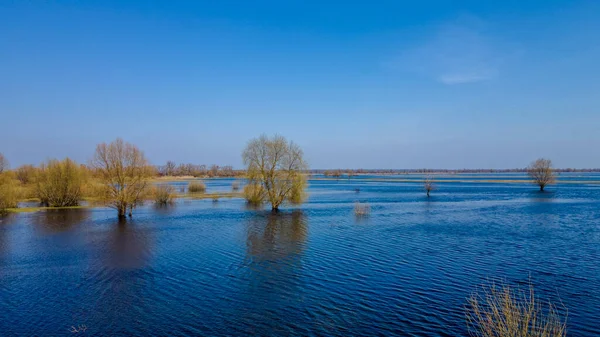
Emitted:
pixel 206 268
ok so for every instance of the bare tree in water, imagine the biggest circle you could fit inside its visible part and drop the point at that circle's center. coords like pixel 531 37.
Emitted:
pixel 428 184
pixel 542 173
pixel 124 172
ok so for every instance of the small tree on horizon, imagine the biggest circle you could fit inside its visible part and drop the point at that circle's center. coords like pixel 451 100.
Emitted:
pixel 428 184
pixel 542 173
pixel 275 171
pixel 124 173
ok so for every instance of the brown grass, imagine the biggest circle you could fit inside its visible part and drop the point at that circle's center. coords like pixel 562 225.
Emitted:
pixel 163 195
pixel 501 311
pixel 196 187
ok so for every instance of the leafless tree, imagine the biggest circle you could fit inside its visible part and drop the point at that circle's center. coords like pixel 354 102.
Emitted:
pixel 428 184
pixel 124 173
pixel 274 168
pixel 170 168
pixel 3 163
pixel 541 172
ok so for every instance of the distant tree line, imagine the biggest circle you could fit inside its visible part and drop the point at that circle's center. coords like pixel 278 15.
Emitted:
pixel 352 172
pixel 171 169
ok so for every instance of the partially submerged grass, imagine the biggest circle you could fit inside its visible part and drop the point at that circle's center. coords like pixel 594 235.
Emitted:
pixel 501 311
pixel 41 208
pixel 163 195
pixel 217 195
pixel 196 187
pixel 362 209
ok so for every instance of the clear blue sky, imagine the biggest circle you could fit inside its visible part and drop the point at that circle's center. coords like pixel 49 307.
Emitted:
pixel 358 84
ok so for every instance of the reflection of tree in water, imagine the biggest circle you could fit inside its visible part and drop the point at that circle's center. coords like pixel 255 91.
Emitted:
pixel 122 279
pixel 274 249
pixel 126 245
pixel 274 236
pixel 5 222
pixel 59 220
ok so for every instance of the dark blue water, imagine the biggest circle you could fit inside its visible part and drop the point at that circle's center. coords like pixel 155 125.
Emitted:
pixel 206 268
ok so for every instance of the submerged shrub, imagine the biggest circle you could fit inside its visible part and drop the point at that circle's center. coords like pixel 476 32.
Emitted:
pixel 196 187
pixel 362 209
pixel 501 311
pixel 254 194
pixel 428 185
pixel 9 192
pixel 235 186
pixel 163 195
pixel 60 183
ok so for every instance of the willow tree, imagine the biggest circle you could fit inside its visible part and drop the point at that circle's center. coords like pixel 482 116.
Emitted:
pixel 124 173
pixel 274 171
pixel 541 172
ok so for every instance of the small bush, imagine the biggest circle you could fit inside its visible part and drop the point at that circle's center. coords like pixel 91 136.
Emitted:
pixel 235 186
pixel 60 183
pixel 163 195
pixel 196 187
pixel 500 311
pixel 9 192
pixel 254 194
pixel 362 209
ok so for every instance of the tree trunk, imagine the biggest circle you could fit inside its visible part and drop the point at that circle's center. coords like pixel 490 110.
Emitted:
pixel 541 188
pixel 275 210
pixel 122 211
pixel 427 194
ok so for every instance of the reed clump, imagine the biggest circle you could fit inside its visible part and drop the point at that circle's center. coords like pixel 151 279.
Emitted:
pixel 163 195
pixel 362 209
pixel 196 187
pixel 501 311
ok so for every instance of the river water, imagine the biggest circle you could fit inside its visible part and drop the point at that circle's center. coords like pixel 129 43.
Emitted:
pixel 218 268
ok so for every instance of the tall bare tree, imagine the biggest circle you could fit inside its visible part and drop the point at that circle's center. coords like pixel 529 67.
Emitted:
pixel 274 168
pixel 3 163
pixel 124 173
pixel 542 173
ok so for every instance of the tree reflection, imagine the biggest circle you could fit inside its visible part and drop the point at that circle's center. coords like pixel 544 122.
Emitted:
pixel 127 245
pixel 274 250
pixel 60 220
pixel 274 236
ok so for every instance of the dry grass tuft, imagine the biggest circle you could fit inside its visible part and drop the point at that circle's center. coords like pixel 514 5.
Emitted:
pixel 362 209
pixel 196 187
pixel 501 311
pixel 163 195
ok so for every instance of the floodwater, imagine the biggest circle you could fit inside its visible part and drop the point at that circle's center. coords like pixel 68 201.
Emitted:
pixel 217 268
